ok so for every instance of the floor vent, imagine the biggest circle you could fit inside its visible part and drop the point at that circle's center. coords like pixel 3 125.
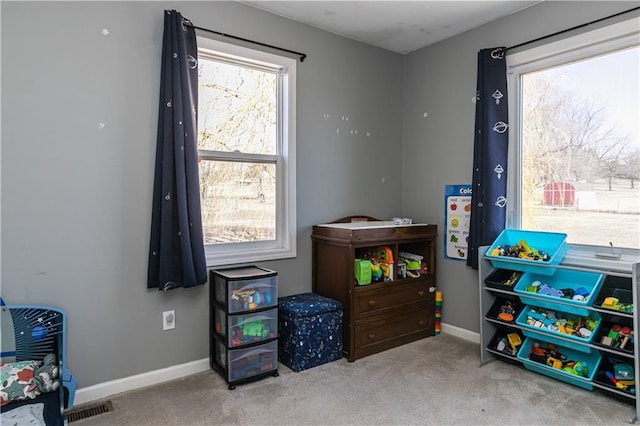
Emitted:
pixel 80 413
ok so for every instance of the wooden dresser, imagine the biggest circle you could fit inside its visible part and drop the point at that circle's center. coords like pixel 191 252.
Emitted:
pixel 384 314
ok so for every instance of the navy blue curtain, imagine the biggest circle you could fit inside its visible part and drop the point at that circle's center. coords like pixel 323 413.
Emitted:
pixel 490 145
pixel 176 252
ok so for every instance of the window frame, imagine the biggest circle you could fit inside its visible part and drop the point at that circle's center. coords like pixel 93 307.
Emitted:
pixel 585 45
pixel 284 246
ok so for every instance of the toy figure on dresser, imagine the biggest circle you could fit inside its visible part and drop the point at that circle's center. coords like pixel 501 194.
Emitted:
pixel 412 264
pixel 376 272
pixel 384 258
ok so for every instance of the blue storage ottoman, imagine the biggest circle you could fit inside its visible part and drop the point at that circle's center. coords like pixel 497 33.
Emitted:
pixel 309 330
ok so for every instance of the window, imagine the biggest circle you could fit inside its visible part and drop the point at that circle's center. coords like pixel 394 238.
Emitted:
pixel 574 139
pixel 246 147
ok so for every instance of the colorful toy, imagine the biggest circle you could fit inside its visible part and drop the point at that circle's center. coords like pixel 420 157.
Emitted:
pixel 247 299
pixel 579 294
pixel 412 263
pixel 438 311
pixel 255 329
pixel 384 258
pixel 384 255
pixel 551 357
pixel 513 279
pixel 615 381
pixel 362 271
pixel 520 250
pixel 614 304
pixel 624 372
pixel 376 271
pixel 618 337
pixel 509 344
pixel 507 311
pixel 514 341
pixel 567 324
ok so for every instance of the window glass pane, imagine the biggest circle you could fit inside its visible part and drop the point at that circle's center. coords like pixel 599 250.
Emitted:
pixel 581 150
pixel 237 108
pixel 238 201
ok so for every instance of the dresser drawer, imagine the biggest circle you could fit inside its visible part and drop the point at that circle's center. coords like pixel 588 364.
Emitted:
pixel 374 335
pixel 391 298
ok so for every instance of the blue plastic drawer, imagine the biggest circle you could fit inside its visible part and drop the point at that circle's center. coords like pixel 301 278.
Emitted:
pixel 590 360
pixel 550 335
pixel 563 279
pixel 552 243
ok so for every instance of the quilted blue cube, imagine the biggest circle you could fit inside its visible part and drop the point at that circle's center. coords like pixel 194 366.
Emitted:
pixel 309 330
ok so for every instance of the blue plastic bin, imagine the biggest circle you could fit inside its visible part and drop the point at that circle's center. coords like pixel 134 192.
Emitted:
pixel 551 335
pixel 562 279
pixel 592 359
pixel 553 243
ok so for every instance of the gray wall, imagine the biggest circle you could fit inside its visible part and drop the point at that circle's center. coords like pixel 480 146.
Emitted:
pixel 438 150
pixel 76 195
pixel 76 198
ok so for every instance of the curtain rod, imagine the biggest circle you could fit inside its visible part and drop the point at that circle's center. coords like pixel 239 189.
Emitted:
pixel 571 29
pixel 302 55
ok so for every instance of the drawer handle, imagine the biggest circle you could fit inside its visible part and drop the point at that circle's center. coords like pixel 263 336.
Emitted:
pixel 372 336
pixel 421 323
pixel 421 293
pixel 372 303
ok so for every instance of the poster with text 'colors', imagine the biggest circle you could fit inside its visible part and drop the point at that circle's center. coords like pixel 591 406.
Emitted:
pixel 457 217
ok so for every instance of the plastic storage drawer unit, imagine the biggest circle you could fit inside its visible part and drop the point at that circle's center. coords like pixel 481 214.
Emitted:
pixel 310 329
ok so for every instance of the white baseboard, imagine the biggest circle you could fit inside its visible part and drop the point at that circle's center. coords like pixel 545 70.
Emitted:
pixel 107 389
pixel 460 332
pixel 113 387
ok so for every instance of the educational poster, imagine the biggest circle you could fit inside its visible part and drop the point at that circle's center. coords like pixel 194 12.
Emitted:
pixel 457 217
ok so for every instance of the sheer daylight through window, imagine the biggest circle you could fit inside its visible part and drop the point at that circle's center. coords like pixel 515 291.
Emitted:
pixel 238 116
pixel 244 144
pixel 579 152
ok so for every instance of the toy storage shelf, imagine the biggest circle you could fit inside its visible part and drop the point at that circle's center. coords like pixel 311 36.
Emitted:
pixel 243 323
pixel 380 315
pixel 623 271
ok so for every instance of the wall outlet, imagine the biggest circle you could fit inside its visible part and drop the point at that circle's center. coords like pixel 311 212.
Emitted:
pixel 168 320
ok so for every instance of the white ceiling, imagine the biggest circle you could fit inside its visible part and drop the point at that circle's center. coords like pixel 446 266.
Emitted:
pixel 399 26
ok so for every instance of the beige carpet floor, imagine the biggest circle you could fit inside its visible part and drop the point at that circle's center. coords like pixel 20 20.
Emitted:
pixel 434 381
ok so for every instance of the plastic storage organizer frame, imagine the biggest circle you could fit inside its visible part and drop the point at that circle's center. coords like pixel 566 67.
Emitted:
pixel 620 276
pixel 243 303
